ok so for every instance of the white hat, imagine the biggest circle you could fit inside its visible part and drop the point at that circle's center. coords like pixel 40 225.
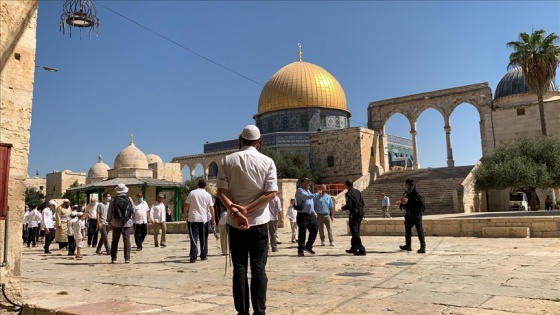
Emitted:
pixel 80 214
pixel 75 206
pixel 73 213
pixel 251 132
pixel 52 202
pixel 121 189
pixel 66 200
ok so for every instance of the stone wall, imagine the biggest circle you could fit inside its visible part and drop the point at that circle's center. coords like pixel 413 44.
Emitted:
pixel 518 117
pixel 59 182
pixel 36 182
pixel 343 154
pixel 286 191
pixel 539 226
pixel 18 25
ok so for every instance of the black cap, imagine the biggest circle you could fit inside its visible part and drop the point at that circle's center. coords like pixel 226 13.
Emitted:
pixel 303 179
pixel 349 183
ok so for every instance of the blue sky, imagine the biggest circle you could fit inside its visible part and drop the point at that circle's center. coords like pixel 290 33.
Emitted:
pixel 129 80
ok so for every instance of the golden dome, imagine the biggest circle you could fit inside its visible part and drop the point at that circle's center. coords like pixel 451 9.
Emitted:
pixel 131 157
pixel 152 158
pixel 99 169
pixel 301 85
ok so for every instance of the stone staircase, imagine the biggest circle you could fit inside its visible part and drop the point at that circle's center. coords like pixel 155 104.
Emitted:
pixel 437 185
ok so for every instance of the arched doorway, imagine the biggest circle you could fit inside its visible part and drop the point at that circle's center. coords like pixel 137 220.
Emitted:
pixel 399 143
pixel 212 170
pixel 432 150
pixel 465 128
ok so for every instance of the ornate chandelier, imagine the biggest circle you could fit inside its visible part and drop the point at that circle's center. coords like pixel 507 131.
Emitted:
pixel 81 14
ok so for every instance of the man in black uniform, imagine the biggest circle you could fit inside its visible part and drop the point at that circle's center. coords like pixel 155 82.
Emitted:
pixel 412 203
pixel 355 205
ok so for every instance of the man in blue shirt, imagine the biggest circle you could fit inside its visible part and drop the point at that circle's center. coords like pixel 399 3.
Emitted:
pixel 325 214
pixel 306 219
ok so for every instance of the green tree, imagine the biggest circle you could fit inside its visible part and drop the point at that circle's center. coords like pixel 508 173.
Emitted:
pixel 32 196
pixel 538 57
pixel 527 164
pixel 291 165
pixel 72 196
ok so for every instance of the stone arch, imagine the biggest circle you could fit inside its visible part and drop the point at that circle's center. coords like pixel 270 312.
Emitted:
pixel 211 169
pixel 445 101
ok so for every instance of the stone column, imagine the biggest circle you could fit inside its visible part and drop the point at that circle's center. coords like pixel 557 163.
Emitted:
pixel 383 150
pixel 447 128
pixel 192 173
pixel 413 133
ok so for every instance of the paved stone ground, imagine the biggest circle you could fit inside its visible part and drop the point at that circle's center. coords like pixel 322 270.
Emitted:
pixel 467 276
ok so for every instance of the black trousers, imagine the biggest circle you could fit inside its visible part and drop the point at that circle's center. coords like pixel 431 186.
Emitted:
pixel 414 220
pixel 249 246
pixel 140 232
pixel 48 239
pixel 32 233
pixel 71 245
pixel 92 232
pixel 117 231
pixel 354 223
pixel 306 221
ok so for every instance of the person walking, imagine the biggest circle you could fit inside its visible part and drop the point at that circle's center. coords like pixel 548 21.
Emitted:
pixel 34 220
pixel 47 224
pixel 91 216
pixel 324 207
pixel 385 204
pixel 355 206
pixel 291 214
pixel 141 210
pixel 198 211
pixel 246 184
pixel 411 202
pixel 102 225
pixel 119 217
pixel 62 216
pixel 306 217
pixel 157 216
pixel 275 208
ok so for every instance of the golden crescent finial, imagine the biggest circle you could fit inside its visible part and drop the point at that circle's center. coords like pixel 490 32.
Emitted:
pixel 300 53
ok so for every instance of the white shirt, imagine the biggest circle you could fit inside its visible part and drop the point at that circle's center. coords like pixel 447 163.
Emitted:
pixel 77 227
pixel 247 175
pixel 385 202
pixel 140 212
pixel 91 209
pixel 34 218
pixel 274 206
pixel 157 213
pixel 291 213
pixel 199 201
pixel 71 226
pixel 25 216
pixel 47 222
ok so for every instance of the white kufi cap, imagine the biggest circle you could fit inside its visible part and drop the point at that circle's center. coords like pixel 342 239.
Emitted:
pixel 251 132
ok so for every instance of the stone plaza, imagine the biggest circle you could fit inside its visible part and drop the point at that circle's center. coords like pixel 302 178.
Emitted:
pixel 458 275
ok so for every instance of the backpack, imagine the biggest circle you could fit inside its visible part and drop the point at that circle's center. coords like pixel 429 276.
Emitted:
pixel 122 209
pixel 418 202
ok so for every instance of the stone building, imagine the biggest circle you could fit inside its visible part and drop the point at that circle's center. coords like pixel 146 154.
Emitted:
pixel 140 172
pixel 38 183
pixel 58 182
pixel 18 25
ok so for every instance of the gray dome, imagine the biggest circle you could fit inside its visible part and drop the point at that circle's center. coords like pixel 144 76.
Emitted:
pixel 513 83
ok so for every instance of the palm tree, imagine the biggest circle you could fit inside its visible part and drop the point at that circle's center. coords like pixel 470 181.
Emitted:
pixel 538 57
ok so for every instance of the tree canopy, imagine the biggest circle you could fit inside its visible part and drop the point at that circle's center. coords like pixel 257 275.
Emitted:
pixel 32 196
pixel 72 196
pixel 526 163
pixel 291 165
pixel 538 56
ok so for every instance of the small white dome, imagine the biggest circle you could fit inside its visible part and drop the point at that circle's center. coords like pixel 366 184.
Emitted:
pixel 131 157
pixel 152 158
pixel 99 169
